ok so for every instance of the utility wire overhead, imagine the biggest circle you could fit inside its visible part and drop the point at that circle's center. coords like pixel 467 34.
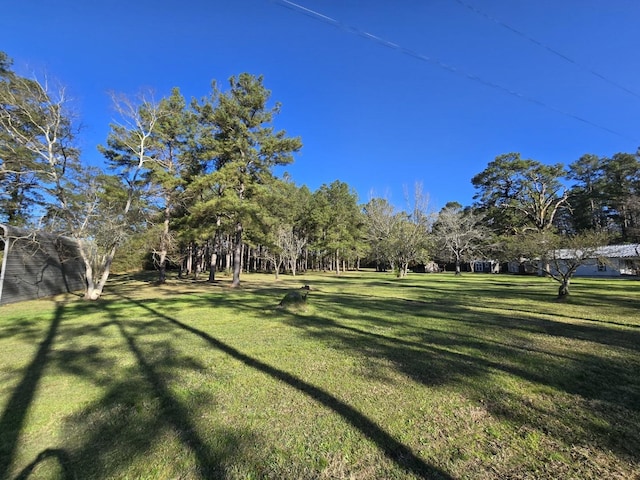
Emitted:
pixel 547 47
pixel 450 68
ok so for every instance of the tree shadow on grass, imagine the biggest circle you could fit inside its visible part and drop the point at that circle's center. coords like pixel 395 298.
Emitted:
pixel 442 342
pixel 452 344
pixel 139 410
pixel 14 415
pixel 399 453
pixel 121 431
pixel 59 455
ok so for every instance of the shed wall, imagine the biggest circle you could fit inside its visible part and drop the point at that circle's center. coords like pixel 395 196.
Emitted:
pixel 38 265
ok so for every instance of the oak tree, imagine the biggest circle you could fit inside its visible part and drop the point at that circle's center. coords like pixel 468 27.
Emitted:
pixel 517 194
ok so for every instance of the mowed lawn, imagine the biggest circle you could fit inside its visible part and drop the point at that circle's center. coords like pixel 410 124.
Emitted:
pixel 433 376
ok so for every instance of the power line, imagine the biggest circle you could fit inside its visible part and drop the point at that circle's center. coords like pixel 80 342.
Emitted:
pixel 450 68
pixel 547 47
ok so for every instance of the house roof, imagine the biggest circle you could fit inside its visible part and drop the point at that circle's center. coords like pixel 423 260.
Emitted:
pixel 631 250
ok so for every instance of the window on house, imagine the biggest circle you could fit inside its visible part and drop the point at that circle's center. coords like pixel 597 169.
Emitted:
pixel 602 267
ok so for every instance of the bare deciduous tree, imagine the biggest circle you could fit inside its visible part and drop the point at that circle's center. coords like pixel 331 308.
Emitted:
pixel 400 238
pixel 459 234
pixel 286 249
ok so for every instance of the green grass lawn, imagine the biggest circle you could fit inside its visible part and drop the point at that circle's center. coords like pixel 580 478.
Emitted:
pixel 433 376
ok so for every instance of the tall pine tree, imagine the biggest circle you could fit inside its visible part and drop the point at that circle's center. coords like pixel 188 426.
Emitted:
pixel 242 150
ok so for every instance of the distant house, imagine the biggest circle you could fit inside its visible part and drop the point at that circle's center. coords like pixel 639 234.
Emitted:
pixel 486 266
pixel 608 261
pixel 524 267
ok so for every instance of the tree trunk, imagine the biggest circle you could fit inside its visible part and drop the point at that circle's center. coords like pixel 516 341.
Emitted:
pixel 237 256
pixel 563 290
pixel 162 267
pixel 90 292
pixel 94 291
pixel 212 266
pixel 195 265
pixel 624 223
pixel 277 264
pixel 164 240
pixel 189 259
pixel 458 272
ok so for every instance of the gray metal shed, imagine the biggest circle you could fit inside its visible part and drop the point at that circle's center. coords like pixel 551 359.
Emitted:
pixel 37 264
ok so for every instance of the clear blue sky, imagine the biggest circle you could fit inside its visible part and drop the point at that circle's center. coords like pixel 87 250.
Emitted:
pixel 376 117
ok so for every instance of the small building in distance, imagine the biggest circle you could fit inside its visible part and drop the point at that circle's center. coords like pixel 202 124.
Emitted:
pixel 609 261
pixel 606 261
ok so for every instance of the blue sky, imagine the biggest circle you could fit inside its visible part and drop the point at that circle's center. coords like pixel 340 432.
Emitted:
pixel 374 116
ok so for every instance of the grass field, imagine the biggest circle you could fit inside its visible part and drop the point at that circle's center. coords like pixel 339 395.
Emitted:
pixel 433 376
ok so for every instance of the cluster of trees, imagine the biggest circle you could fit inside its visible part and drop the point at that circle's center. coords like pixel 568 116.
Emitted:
pixel 556 217
pixel 592 193
pixel 176 172
pixel 192 184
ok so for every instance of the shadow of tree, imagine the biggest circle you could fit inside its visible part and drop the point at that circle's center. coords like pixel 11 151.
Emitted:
pixel 62 458
pixel 435 338
pixel 139 408
pixel 451 342
pixel 390 446
pixel 15 412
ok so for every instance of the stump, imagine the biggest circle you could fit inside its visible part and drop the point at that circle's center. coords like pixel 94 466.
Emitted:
pixel 296 299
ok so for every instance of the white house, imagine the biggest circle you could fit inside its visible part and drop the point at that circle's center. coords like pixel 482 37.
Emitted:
pixel 608 261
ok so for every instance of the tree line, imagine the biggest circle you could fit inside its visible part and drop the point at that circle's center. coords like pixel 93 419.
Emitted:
pixel 190 184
